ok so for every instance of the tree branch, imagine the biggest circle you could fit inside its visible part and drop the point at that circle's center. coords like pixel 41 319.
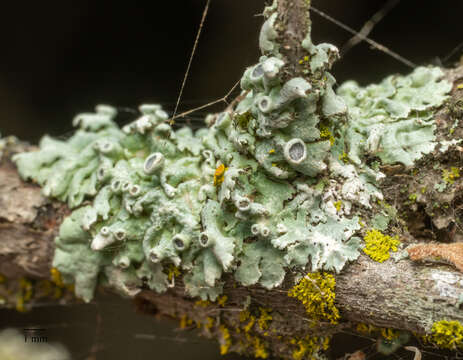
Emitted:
pixel 400 294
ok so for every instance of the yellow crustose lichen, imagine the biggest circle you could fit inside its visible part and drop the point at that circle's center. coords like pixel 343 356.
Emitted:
pixel 225 340
pixel 185 322
pixel 309 345
pixel 260 350
pixel 222 300
pixel 173 271
pixel 378 245
pixel 264 318
pixel 316 292
pixel 325 134
pixel 24 295
pixel 446 334
pixel 255 341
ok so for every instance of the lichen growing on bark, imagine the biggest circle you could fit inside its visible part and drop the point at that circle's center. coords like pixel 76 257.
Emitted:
pixel 446 335
pixel 378 245
pixel 256 193
pixel 316 292
pixel 276 184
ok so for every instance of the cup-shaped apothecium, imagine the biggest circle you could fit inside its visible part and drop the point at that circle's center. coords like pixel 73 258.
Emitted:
pixel 153 162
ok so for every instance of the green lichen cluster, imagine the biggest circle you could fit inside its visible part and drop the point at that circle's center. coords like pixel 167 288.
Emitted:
pixel 257 192
pixel 394 120
pixel 378 245
pixel 268 186
pixel 449 176
pixel 274 183
pixel 446 334
pixel 316 292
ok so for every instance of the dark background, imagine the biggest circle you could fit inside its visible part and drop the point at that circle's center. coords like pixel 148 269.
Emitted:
pixel 59 58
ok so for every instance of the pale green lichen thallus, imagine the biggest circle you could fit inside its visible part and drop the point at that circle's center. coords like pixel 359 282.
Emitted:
pixel 267 186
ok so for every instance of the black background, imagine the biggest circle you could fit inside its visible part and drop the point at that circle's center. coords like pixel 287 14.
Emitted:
pixel 59 58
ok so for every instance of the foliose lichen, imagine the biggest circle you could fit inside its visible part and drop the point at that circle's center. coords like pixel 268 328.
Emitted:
pixel 249 195
pixel 394 120
pixel 269 186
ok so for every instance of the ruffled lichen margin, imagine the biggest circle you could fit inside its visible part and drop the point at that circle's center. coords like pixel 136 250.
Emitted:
pixel 280 184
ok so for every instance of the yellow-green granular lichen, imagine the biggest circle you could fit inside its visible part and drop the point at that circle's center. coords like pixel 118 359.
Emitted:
pixel 446 335
pixel 173 271
pixel 309 346
pixel 389 334
pixel 185 321
pixel 24 295
pixel 225 340
pixel 209 324
pixel 250 324
pixel 344 157
pixel 449 176
pixel 222 300
pixel 58 283
pixel 258 345
pixel 378 245
pixel 366 329
pixel 316 292
pixel 326 134
pixel 264 318
pixel 305 59
pixel 56 277
pixel 202 303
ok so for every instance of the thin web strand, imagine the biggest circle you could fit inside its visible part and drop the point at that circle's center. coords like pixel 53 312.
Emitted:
pixel 224 99
pixel 206 9
pixel 453 52
pixel 364 38
pixel 369 25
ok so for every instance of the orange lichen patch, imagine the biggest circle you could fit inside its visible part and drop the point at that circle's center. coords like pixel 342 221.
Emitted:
pixel 452 253
pixel 219 174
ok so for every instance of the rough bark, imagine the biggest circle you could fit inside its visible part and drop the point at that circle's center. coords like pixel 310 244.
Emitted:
pixel 402 295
